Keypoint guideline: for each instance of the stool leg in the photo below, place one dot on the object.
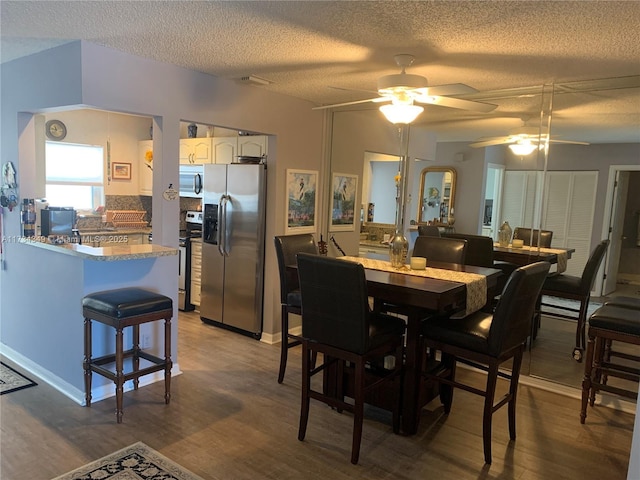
(87, 361)
(167, 360)
(136, 354)
(119, 375)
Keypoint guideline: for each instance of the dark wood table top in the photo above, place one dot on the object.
(525, 256)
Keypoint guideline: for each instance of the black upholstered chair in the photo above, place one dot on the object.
(337, 322)
(287, 247)
(486, 341)
(429, 231)
(440, 249)
(530, 236)
(479, 250)
(575, 288)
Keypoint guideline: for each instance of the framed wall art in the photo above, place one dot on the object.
(120, 171)
(302, 201)
(344, 188)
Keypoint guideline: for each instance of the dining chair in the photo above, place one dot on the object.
(337, 322)
(575, 288)
(530, 236)
(429, 230)
(287, 247)
(479, 249)
(486, 340)
(440, 249)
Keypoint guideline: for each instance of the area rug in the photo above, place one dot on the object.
(10, 380)
(135, 462)
(564, 302)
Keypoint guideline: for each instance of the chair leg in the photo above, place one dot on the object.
(487, 416)
(582, 322)
(119, 375)
(446, 391)
(87, 361)
(358, 412)
(513, 392)
(168, 364)
(306, 387)
(596, 366)
(397, 381)
(586, 381)
(284, 343)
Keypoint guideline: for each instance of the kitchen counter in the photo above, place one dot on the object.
(107, 254)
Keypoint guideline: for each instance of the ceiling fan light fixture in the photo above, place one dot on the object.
(523, 148)
(401, 112)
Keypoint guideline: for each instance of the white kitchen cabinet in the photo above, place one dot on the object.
(225, 149)
(145, 167)
(196, 271)
(196, 151)
(252, 145)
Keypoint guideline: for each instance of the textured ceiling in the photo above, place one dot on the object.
(331, 52)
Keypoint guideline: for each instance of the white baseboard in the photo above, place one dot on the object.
(273, 338)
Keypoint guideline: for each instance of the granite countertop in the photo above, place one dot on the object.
(116, 231)
(106, 254)
(374, 243)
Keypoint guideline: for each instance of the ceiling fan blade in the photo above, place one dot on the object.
(492, 141)
(448, 89)
(356, 102)
(568, 141)
(457, 103)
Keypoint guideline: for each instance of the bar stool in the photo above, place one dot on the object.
(607, 324)
(121, 308)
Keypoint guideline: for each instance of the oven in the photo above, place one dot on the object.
(193, 230)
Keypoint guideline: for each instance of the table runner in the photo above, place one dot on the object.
(561, 255)
(476, 284)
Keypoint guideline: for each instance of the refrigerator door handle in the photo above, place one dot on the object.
(221, 224)
(225, 225)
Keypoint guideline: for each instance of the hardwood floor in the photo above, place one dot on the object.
(230, 419)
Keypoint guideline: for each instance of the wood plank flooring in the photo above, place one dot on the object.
(230, 419)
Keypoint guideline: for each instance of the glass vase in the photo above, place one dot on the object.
(398, 249)
(504, 234)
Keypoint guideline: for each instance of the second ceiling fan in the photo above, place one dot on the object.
(404, 89)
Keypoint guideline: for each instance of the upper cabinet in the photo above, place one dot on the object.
(145, 167)
(196, 151)
(226, 149)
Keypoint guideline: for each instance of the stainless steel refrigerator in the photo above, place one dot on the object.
(233, 230)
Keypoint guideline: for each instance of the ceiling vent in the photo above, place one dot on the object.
(255, 80)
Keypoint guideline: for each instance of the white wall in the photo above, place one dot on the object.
(84, 74)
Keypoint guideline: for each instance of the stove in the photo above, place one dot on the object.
(193, 220)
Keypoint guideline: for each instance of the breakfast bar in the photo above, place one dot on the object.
(50, 288)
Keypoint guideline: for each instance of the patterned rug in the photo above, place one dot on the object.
(10, 380)
(135, 462)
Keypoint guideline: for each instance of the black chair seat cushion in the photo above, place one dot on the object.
(618, 319)
(126, 302)
(471, 332)
(624, 302)
(563, 283)
(294, 299)
(383, 328)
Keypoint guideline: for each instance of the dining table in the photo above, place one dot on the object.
(421, 294)
(527, 254)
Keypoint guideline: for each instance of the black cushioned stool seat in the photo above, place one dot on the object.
(607, 324)
(624, 302)
(121, 308)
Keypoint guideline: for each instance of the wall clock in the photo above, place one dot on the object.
(55, 130)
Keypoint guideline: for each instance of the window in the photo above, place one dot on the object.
(74, 175)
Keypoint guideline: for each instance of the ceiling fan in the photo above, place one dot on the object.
(523, 140)
(403, 89)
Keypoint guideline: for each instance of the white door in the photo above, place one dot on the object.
(615, 231)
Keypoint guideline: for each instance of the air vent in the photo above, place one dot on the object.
(254, 80)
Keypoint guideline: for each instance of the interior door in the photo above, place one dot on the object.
(619, 200)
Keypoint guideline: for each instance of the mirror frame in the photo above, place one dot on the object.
(452, 194)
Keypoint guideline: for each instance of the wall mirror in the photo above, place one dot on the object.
(437, 195)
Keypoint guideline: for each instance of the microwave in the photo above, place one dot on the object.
(191, 180)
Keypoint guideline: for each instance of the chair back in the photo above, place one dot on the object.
(429, 230)
(335, 308)
(441, 249)
(512, 317)
(287, 247)
(591, 268)
(479, 249)
(530, 237)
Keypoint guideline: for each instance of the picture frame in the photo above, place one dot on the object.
(344, 188)
(120, 171)
(302, 200)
